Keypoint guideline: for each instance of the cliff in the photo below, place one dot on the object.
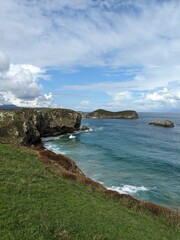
(101, 113)
(27, 126)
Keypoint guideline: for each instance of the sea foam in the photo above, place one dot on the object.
(128, 189)
(47, 139)
(53, 148)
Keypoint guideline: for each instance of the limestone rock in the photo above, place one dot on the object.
(27, 126)
(166, 123)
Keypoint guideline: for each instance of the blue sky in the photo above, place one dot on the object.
(90, 54)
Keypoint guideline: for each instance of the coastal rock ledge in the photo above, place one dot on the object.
(28, 126)
(166, 123)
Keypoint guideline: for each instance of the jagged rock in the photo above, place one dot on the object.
(101, 113)
(85, 128)
(27, 126)
(166, 123)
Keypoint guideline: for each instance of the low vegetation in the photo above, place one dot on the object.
(101, 113)
(36, 203)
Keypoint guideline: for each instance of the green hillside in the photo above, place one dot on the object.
(37, 204)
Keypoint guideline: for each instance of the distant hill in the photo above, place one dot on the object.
(101, 113)
(8, 107)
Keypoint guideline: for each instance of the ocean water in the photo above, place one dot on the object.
(129, 156)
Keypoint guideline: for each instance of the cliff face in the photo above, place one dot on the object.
(101, 113)
(27, 126)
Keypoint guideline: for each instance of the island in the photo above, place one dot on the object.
(101, 113)
(160, 123)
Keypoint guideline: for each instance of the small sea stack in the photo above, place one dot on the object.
(166, 123)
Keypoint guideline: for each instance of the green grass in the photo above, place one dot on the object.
(37, 204)
(105, 113)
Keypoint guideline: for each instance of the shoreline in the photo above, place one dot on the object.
(38, 203)
(68, 169)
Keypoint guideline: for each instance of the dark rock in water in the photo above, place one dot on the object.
(85, 128)
(165, 123)
(27, 126)
(101, 113)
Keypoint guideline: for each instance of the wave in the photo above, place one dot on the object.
(128, 189)
(72, 136)
(47, 139)
(53, 148)
(88, 130)
(100, 128)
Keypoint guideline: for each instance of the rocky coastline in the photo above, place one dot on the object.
(67, 168)
(25, 127)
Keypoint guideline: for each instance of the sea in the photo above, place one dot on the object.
(128, 156)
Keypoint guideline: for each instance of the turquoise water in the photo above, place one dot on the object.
(129, 156)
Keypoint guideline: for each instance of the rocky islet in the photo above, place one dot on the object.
(160, 123)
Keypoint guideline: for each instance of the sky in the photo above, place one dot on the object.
(91, 54)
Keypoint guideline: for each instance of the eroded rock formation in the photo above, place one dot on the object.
(85, 128)
(27, 126)
(165, 123)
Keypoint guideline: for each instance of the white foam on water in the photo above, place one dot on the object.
(47, 139)
(89, 130)
(102, 183)
(53, 148)
(128, 189)
(72, 136)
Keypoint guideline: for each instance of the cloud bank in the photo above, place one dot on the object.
(19, 84)
(109, 34)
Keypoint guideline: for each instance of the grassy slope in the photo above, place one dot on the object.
(37, 204)
(103, 112)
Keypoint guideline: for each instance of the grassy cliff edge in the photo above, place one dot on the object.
(47, 201)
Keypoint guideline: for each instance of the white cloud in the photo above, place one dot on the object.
(83, 105)
(90, 33)
(44, 100)
(4, 63)
(84, 102)
(119, 100)
(153, 89)
(165, 99)
(145, 80)
(19, 84)
(108, 33)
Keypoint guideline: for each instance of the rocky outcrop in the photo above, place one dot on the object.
(85, 128)
(27, 126)
(101, 113)
(165, 123)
